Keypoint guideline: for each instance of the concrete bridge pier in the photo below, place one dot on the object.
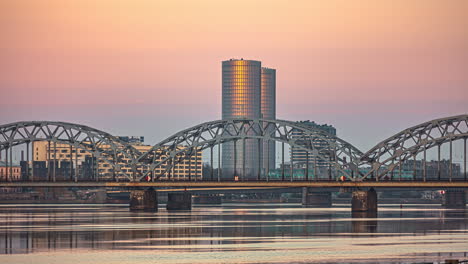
(143, 200)
(364, 201)
(315, 199)
(179, 201)
(455, 199)
(207, 199)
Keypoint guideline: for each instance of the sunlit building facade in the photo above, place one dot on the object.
(10, 172)
(45, 155)
(241, 94)
(248, 91)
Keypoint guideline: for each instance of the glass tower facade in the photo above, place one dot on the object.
(241, 97)
(249, 91)
(268, 111)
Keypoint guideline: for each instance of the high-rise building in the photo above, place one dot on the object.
(241, 99)
(268, 111)
(299, 157)
(248, 91)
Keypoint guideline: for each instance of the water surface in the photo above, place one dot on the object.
(233, 233)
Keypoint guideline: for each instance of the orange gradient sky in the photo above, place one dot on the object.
(148, 67)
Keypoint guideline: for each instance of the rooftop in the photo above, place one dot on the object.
(2, 164)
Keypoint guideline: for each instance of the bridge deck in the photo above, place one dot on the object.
(313, 184)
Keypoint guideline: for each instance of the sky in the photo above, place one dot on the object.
(151, 68)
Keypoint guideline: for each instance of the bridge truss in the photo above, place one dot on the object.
(342, 158)
(100, 144)
(339, 154)
(390, 154)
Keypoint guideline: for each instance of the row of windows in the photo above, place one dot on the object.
(238, 106)
(237, 111)
(245, 86)
(250, 101)
(268, 100)
(243, 75)
(66, 156)
(161, 171)
(241, 68)
(241, 82)
(245, 98)
(193, 160)
(194, 166)
(52, 150)
(242, 90)
(234, 74)
(13, 169)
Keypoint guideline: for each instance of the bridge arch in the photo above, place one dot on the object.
(393, 151)
(183, 144)
(100, 144)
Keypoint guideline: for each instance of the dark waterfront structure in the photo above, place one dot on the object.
(248, 91)
(430, 170)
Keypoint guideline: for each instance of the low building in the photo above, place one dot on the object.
(69, 161)
(9, 172)
(412, 169)
(299, 156)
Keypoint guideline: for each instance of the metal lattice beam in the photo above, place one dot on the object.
(390, 153)
(101, 144)
(178, 147)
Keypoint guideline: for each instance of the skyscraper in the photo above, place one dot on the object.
(248, 91)
(268, 111)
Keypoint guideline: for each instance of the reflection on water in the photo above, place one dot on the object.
(231, 234)
(364, 222)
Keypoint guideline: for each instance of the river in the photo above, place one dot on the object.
(231, 233)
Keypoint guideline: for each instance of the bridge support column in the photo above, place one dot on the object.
(454, 199)
(207, 199)
(364, 201)
(179, 201)
(143, 200)
(315, 199)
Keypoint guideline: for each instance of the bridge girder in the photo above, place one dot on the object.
(383, 158)
(185, 143)
(393, 151)
(100, 144)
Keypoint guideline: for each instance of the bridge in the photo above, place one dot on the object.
(397, 162)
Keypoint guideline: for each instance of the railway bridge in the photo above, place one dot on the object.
(430, 155)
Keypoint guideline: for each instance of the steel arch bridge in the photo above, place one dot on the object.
(100, 144)
(389, 154)
(341, 155)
